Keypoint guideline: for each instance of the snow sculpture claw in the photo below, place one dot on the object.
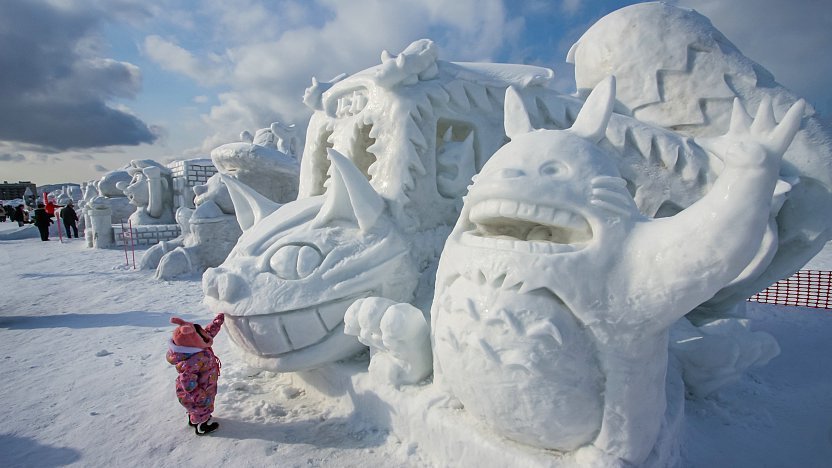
(397, 335)
(759, 138)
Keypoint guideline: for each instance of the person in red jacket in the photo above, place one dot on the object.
(50, 208)
(199, 369)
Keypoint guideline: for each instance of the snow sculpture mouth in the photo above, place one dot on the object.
(278, 333)
(526, 227)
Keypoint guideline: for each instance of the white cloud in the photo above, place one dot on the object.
(208, 70)
(329, 37)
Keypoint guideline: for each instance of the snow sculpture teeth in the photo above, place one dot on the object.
(498, 221)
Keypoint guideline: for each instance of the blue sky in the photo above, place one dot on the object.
(88, 85)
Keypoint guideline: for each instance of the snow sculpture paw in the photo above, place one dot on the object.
(397, 335)
(718, 352)
(761, 140)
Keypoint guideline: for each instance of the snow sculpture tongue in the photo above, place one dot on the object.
(287, 284)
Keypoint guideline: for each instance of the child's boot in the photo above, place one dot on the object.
(206, 427)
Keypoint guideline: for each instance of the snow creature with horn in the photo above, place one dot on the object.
(554, 295)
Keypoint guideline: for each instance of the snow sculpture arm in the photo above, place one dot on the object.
(156, 188)
(397, 335)
(695, 241)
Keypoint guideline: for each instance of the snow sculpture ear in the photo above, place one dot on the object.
(517, 120)
(592, 121)
(249, 206)
(350, 195)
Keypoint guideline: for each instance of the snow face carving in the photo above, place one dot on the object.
(297, 267)
(554, 295)
(150, 191)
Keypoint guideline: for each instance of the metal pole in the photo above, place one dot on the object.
(132, 244)
(124, 241)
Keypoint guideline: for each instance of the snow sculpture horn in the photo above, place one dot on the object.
(517, 120)
(249, 205)
(350, 195)
(592, 121)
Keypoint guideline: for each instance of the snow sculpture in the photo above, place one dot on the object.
(210, 231)
(98, 214)
(271, 283)
(675, 70)
(412, 132)
(260, 163)
(398, 337)
(555, 295)
(108, 200)
(150, 190)
(208, 234)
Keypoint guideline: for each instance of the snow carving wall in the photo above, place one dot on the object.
(603, 225)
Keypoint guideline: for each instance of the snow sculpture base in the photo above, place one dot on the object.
(146, 234)
(421, 418)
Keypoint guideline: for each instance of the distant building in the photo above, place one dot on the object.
(11, 191)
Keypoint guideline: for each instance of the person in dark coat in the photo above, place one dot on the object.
(19, 216)
(42, 221)
(69, 216)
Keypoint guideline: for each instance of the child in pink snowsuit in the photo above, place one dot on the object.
(190, 351)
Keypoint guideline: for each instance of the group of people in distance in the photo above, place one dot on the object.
(42, 217)
(45, 212)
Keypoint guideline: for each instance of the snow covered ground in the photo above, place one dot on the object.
(85, 382)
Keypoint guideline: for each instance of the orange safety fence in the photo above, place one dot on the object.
(806, 288)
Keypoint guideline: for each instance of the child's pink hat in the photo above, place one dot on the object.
(186, 334)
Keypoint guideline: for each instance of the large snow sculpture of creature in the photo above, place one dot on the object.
(151, 191)
(296, 268)
(554, 294)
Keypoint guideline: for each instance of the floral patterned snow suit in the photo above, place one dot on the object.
(199, 369)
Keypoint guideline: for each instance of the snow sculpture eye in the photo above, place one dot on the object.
(295, 261)
(554, 169)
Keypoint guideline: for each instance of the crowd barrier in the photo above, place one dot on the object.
(806, 288)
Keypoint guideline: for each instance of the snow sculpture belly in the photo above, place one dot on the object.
(522, 362)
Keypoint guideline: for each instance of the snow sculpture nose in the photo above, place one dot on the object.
(510, 173)
(224, 286)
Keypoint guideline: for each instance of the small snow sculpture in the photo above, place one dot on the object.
(718, 352)
(108, 199)
(209, 232)
(555, 295)
(98, 214)
(398, 337)
(150, 190)
(259, 162)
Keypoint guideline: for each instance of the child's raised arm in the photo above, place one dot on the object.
(216, 324)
